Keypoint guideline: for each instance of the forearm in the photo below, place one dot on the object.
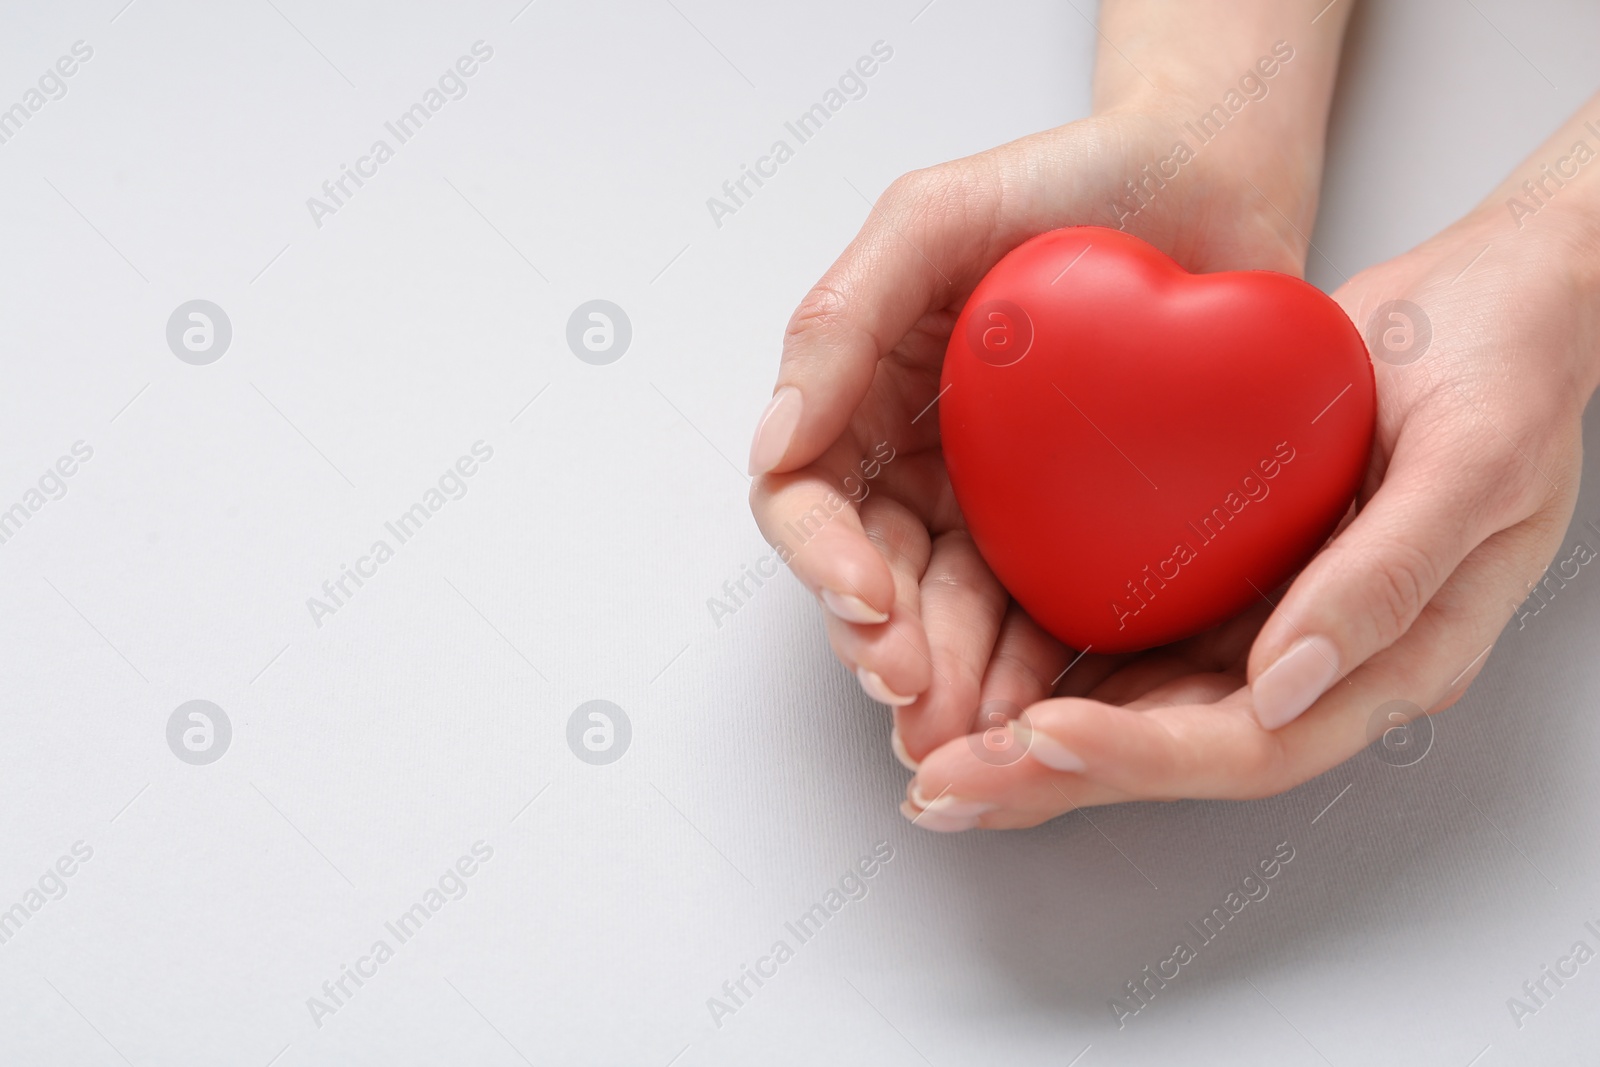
(1198, 49)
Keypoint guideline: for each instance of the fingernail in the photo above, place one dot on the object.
(946, 804)
(932, 821)
(944, 824)
(775, 430)
(900, 752)
(851, 608)
(877, 690)
(1295, 681)
(1047, 750)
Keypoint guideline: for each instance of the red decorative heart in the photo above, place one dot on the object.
(1141, 452)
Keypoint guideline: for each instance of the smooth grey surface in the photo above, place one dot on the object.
(430, 711)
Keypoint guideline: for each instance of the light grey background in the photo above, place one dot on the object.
(371, 752)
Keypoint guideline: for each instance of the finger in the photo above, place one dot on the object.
(813, 522)
(924, 234)
(1439, 499)
(1022, 666)
(962, 604)
(1204, 668)
(1025, 664)
(918, 477)
(957, 789)
(1152, 751)
(891, 659)
(1092, 753)
(1135, 682)
(1013, 776)
(1226, 646)
(1128, 676)
(1088, 671)
(1448, 644)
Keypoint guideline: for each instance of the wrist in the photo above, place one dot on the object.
(1241, 89)
(1556, 252)
(1217, 189)
(1546, 217)
(1572, 234)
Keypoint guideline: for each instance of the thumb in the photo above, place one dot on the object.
(1439, 500)
(924, 231)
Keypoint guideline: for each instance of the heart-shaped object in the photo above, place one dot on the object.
(1140, 452)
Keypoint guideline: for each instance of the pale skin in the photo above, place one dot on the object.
(1471, 486)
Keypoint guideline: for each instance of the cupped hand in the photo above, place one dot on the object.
(851, 485)
(1485, 351)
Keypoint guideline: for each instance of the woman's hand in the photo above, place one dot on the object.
(1472, 484)
(1206, 141)
(852, 486)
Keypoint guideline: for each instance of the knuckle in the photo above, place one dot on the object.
(1263, 769)
(1398, 590)
(907, 193)
(903, 189)
(922, 200)
(824, 309)
(1511, 484)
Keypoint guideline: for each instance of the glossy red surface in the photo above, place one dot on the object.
(1140, 452)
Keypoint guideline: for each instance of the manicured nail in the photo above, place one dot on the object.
(1295, 681)
(877, 690)
(852, 608)
(946, 804)
(929, 820)
(900, 752)
(1047, 750)
(938, 821)
(775, 430)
